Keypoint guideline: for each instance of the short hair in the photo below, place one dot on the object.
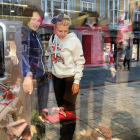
(28, 13)
(64, 21)
(90, 14)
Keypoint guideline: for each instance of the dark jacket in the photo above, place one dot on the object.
(30, 52)
(127, 56)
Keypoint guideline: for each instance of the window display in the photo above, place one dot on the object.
(70, 58)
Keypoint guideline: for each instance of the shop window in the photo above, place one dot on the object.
(6, 10)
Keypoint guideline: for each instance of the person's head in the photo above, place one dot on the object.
(33, 17)
(126, 47)
(92, 18)
(61, 25)
(120, 44)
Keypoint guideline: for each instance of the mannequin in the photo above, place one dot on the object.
(93, 36)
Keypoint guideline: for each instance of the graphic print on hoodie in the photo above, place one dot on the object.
(58, 57)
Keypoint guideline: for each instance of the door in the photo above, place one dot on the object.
(86, 42)
(135, 50)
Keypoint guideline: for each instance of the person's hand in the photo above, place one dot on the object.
(50, 75)
(28, 85)
(75, 88)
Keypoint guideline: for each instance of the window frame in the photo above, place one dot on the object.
(125, 7)
(52, 6)
(93, 5)
(102, 8)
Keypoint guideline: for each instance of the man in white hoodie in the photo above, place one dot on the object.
(66, 62)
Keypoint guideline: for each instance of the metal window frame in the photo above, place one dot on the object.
(52, 5)
(118, 10)
(102, 8)
(93, 4)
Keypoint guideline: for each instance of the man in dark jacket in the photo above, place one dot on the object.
(31, 55)
(127, 58)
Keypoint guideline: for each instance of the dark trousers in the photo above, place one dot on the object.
(128, 63)
(63, 94)
(42, 94)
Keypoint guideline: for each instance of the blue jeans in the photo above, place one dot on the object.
(42, 93)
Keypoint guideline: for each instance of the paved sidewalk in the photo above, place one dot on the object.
(111, 103)
(98, 76)
(114, 106)
(90, 67)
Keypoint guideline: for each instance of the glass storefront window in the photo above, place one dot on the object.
(90, 67)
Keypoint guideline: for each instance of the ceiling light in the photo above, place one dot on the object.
(12, 11)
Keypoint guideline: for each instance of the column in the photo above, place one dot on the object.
(19, 1)
(128, 9)
(62, 5)
(109, 11)
(46, 8)
(68, 7)
(2, 6)
(41, 4)
(113, 13)
(74, 7)
(52, 7)
(10, 7)
(124, 6)
(81, 5)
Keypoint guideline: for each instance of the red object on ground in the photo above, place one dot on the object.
(59, 117)
(61, 114)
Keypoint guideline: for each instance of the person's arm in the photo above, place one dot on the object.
(22, 55)
(79, 61)
(50, 60)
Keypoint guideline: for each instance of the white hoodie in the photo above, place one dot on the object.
(66, 58)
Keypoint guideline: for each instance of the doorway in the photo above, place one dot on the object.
(135, 50)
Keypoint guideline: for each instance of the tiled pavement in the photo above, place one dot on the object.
(114, 106)
(111, 103)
